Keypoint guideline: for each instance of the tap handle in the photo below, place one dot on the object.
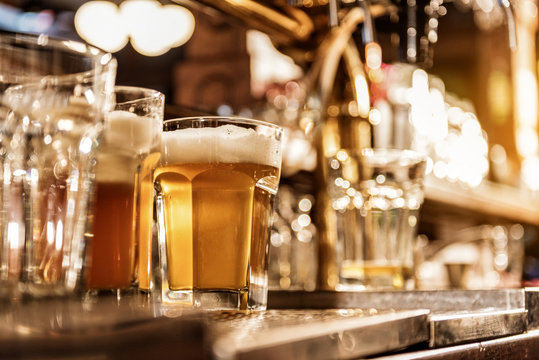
(369, 32)
(511, 27)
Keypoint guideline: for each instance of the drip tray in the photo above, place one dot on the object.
(314, 334)
(455, 317)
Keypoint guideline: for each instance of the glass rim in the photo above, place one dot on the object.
(369, 151)
(232, 119)
(148, 93)
(100, 59)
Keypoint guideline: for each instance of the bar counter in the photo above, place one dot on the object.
(489, 324)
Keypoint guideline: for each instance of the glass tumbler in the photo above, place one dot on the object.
(53, 96)
(122, 216)
(376, 195)
(216, 182)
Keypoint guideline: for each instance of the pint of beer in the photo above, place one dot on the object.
(215, 187)
(122, 213)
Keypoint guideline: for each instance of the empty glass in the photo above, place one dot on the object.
(376, 195)
(53, 96)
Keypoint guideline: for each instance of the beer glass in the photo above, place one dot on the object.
(53, 96)
(376, 195)
(215, 185)
(119, 243)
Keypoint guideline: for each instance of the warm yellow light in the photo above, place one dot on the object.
(428, 114)
(530, 172)
(363, 95)
(268, 65)
(180, 24)
(101, 24)
(153, 28)
(526, 92)
(527, 142)
(373, 55)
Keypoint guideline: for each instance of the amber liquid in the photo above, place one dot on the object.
(112, 244)
(375, 275)
(208, 221)
(144, 219)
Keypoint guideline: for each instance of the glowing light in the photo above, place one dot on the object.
(13, 236)
(109, 33)
(50, 233)
(268, 65)
(304, 220)
(363, 95)
(65, 125)
(530, 172)
(59, 235)
(153, 28)
(19, 173)
(498, 154)
(516, 231)
(373, 53)
(527, 142)
(85, 145)
(375, 116)
(352, 108)
(452, 138)
(526, 88)
(440, 169)
(428, 108)
(305, 205)
(485, 5)
(342, 155)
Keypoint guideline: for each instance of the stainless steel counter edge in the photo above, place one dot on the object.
(343, 339)
(435, 300)
(457, 328)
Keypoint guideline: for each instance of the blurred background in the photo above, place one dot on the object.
(478, 225)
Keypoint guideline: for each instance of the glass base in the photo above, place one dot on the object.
(369, 276)
(178, 297)
(258, 295)
(220, 299)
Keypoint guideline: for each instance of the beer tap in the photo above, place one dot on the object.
(333, 13)
(341, 131)
(511, 27)
(368, 33)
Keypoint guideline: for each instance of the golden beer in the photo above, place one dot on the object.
(214, 201)
(144, 219)
(209, 211)
(120, 240)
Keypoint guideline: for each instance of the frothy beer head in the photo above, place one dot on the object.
(126, 138)
(129, 131)
(226, 143)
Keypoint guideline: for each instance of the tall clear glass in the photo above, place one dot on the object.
(122, 216)
(376, 195)
(215, 185)
(53, 97)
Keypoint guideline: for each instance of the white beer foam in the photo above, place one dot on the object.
(226, 143)
(129, 131)
(126, 136)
